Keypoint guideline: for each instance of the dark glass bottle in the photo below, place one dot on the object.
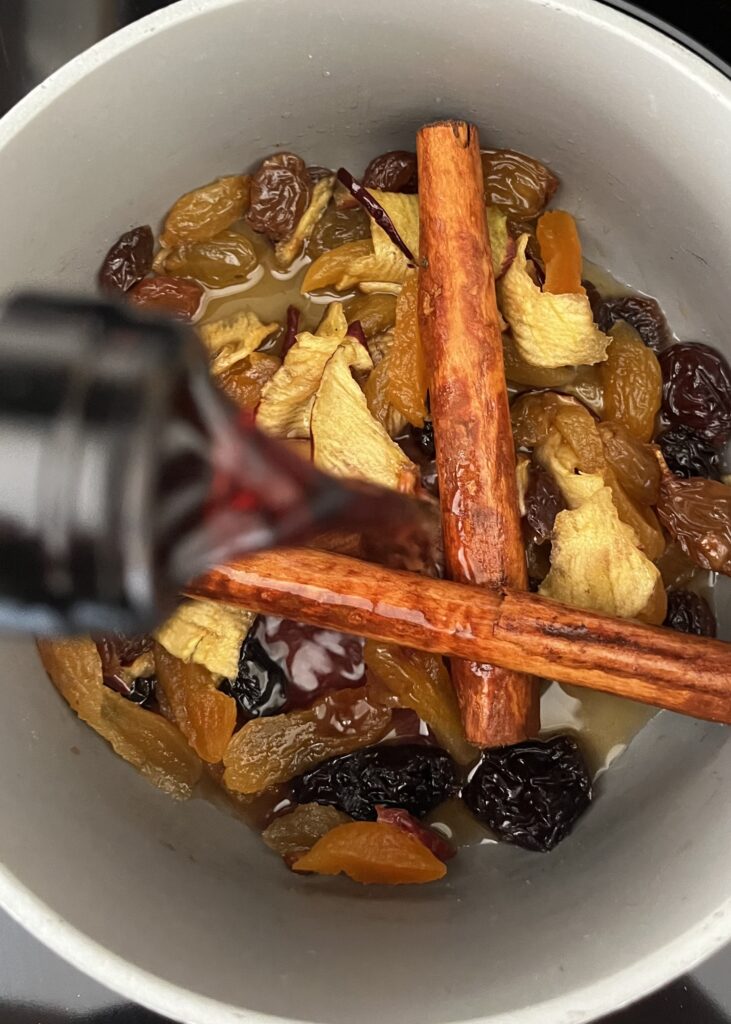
(125, 472)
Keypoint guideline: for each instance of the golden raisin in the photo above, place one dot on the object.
(204, 212)
(332, 265)
(376, 312)
(225, 260)
(407, 377)
(632, 382)
(244, 381)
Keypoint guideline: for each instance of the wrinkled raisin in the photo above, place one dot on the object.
(634, 463)
(516, 183)
(640, 312)
(424, 439)
(595, 299)
(393, 172)
(128, 260)
(531, 794)
(281, 191)
(117, 653)
(690, 613)
(543, 502)
(632, 382)
(688, 454)
(697, 514)
(175, 296)
(316, 173)
(337, 227)
(260, 687)
(412, 776)
(697, 390)
(225, 260)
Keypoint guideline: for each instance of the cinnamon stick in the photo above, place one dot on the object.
(514, 630)
(460, 328)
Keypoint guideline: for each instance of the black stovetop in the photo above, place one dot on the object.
(36, 987)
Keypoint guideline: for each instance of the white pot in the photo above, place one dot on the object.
(179, 906)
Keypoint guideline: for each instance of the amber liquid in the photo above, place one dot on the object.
(605, 725)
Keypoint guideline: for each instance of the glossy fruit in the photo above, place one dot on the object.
(561, 251)
(543, 502)
(534, 415)
(420, 681)
(336, 227)
(517, 184)
(205, 212)
(690, 613)
(281, 190)
(433, 840)
(174, 296)
(327, 269)
(413, 776)
(517, 371)
(393, 172)
(147, 740)
(225, 260)
(697, 514)
(244, 381)
(633, 463)
(376, 313)
(632, 383)
(205, 717)
(260, 687)
(372, 853)
(268, 751)
(293, 834)
(128, 260)
(407, 380)
(640, 312)
(697, 390)
(689, 454)
(531, 794)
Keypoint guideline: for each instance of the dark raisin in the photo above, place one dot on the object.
(430, 478)
(690, 613)
(393, 172)
(115, 649)
(531, 794)
(260, 687)
(688, 454)
(140, 691)
(642, 313)
(697, 390)
(175, 296)
(128, 261)
(517, 184)
(280, 193)
(543, 502)
(424, 438)
(338, 227)
(412, 776)
(313, 660)
(595, 299)
(316, 173)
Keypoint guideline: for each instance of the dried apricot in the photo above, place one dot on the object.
(561, 252)
(205, 717)
(373, 853)
(632, 382)
(206, 211)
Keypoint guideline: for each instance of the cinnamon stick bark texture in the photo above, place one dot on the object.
(460, 329)
(513, 630)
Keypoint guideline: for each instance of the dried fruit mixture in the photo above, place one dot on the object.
(302, 285)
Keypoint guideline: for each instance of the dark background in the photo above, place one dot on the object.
(36, 987)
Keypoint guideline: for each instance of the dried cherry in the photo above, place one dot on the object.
(697, 390)
(532, 793)
(336, 227)
(543, 502)
(281, 190)
(128, 260)
(175, 296)
(640, 312)
(688, 453)
(414, 777)
(690, 613)
(393, 172)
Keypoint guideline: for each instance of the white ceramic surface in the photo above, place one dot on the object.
(179, 907)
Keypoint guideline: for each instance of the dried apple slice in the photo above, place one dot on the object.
(596, 564)
(207, 633)
(347, 440)
(548, 330)
(232, 339)
(145, 739)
